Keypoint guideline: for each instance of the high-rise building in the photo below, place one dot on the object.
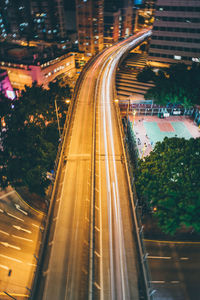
(111, 27)
(126, 15)
(112, 24)
(176, 32)
(89, 17)
(32, 19)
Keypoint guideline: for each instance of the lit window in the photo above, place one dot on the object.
(177, 57)
(196, 59)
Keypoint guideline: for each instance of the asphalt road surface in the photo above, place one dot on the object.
(91, 250)
(19, 242)
(175, 270)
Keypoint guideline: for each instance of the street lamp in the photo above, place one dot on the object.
(67, 101)
(56, 107)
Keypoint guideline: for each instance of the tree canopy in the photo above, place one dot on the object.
(30, 137)
(176, 84)
(168, 182)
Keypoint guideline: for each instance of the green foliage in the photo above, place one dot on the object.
(147, 74)
(169, 179)
(29, 143)
(131, 143)
(177, 84)
(5, 105)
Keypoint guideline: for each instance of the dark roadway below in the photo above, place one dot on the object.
(175, 270)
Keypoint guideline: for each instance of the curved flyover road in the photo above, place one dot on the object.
(91, 250)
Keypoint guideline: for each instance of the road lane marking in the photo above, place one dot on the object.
(22, 229)
(159, 257)
(11, 258)
(171, 242)
(4, 267)
(158, 281)
(37, 211)
(37, 226)
(30, 264)
(1, 210)
(97, 254)
(175, 281)
(13, 216)
(21, 210)
(14, 295)
(21, 238)
(97, 228)
(7, 194)
(98, 286)
(1, 231)
(9, 245)
(184, 258)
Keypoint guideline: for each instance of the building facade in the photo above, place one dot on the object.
(21, 74)
(5, 85)
(127, 20)
(111, 27)
(176, 32)
(32, 19)
(89, 17)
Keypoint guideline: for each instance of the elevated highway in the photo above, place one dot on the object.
(91, 248)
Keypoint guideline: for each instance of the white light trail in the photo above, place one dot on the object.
(108, 135)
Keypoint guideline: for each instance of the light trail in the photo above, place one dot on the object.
(108, 129)
(108, 133)
(109, 274)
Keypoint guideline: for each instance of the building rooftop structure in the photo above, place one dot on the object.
(26, 65)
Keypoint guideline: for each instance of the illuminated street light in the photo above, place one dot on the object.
(67, 101)
(154, 209)
(3, 123)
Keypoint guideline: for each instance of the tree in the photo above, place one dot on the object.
(168, 182)
(30, 139)
(146, 75)
(177, 84)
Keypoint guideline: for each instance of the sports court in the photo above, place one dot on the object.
(150, 129)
